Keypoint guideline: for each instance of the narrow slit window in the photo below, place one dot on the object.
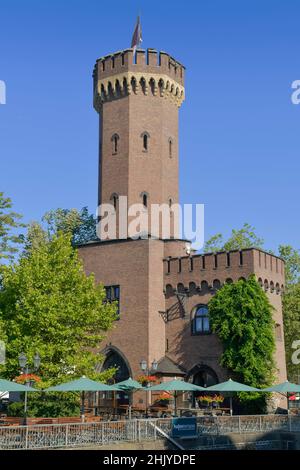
(216, 260)
(145, 142)
(170, 148)
(115, 144)
(168, 266)
(114, 199)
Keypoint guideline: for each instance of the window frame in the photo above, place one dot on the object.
(170, 147)
(194, 330)
(111, 296)
(146, 135)
(115, 143)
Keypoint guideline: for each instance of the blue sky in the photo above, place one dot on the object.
(239, 131)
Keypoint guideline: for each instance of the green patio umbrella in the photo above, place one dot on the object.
(176, 386)
(82, 385)
(130, 386)
(284, 388)
(8, 386)
(231, 386)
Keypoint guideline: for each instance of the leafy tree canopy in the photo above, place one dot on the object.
(241, 316)
(291, 316)
(244, 237)
(291, 257)
(9, 221)
(81, 224)
(48, 304)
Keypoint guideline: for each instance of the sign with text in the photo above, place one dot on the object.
(184, 427)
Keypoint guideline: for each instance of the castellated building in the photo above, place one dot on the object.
(163, 287)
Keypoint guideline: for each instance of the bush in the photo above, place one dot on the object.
(48, 405)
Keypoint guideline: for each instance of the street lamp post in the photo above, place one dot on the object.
(146, 369)
(25, 370)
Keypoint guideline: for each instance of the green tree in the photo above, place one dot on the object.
(9, 221)
(291, 316)
(244, 237)
(291, 306)
(81, 224)
(291, 256)
(48, 304)
(241, 316)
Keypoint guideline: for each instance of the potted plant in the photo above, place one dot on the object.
(217, 400)
(205, 400)
(29, 379)
(164, 399)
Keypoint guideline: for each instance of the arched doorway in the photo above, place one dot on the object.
(203, 376)
(115, 359)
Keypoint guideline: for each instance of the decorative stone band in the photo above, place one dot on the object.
(127, 83)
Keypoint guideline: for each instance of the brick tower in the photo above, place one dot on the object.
(163, 288)
(137, 101)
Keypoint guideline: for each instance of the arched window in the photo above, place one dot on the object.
(118, 88)
(145, 137)
(153, 87)
(133, 84)
(216, 284)
(200, 320)
(192, 287)
(180, 288)
(169, 290)
(204, 286)
(143, 85)
(115, 144)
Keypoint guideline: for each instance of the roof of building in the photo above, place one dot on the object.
(167, 366)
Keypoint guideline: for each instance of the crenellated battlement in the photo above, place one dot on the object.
(210, 271)
(149, 72)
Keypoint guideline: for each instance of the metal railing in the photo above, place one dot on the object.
(102, 433)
